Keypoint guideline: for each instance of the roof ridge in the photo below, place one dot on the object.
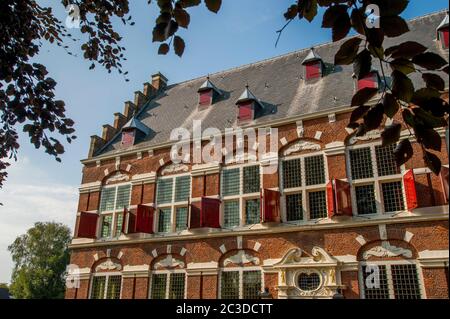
(284, 55)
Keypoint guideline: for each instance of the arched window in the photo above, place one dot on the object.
(106, 281)
(168, 278)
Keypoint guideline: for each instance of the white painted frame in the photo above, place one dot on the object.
(241, 271)
(106, 275)
(388, 264)
(376, 180)
(304, 190)
(172, 205)
(241, 197)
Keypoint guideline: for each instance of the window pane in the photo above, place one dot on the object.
(251, 179)
(229, 285)
(314, 170)
(252, 214)
(405, 281)
(393, 197)
(159, 282)
(164, 194)
(181, 218)
(106, 226)
(231, 182)
(114, 285)
(107, 199)
(361, 163)
(375, 287)
(292, 176)
(176, 290)
(164, 220)
(123, 197)
(182, 188)
(98, 288)
(365, 199)
(251, 284)
(231, 213)
(317, 205)
(294, 208)
(119, 224)
(386, 160)
(308, 282)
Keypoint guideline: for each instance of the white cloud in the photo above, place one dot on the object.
(29, 197)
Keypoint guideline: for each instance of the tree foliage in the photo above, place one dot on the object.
(27, 98)
(40, 258)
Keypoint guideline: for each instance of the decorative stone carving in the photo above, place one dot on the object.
(108, 265)
(293, 256)
(175, 168)
(387, 250)
(169, 262)
(302, 146)
(118, 177)
(371, 135)
(241, 258)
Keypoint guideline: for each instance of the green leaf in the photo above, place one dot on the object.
(434, 81)
(358, 113)
(429, 61)
(402, 86)
(393, 26)
(374, 117)
(391, 134)
(436, 106)
(362, 64)
(405, 50)
(429, 138)
(363, 96)
(179, 46)
(427, 119)
(433, 162)
(391, 105)
(213, 5)
(403, 65)
(403, 152)
(347, 52)
(422, 96)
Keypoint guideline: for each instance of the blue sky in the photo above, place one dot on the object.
(40, 189)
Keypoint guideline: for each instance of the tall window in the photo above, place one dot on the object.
(172, 199)
(240, 284)
(241, 195)
(304, 185)
(395, 281)
(114, 200)
(106, 287)
(168, 285)
(377, 181)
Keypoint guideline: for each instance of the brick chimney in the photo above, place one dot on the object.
(159, 82)
(108, 132)
(96, 143)
(119, 120)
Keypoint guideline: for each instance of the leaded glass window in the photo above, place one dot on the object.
(317, 205)
(231, 213)
(294, 207)
(182, 188)
(314, 170)
(106, 287)
(229, 285)
(393, 196)
(164, 193)
(106, 226)
(231, 182)
(292, 174)
(386, 160)
(251, 284)
(361, 163)
(252, 211)
(251, 179)
(176, 288)
(159, 282)
(365, 199)
(164, 220)
(181, 218)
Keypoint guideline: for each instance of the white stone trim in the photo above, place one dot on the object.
(283, 141)
(332, 117)
(154, 253)
(205, 169)
(383, 232)
(335, 148)
(223, 249)
(90, 187)
(318, 135)
(147, 178)
(361, 240)
(161, 162)
(183, 251)
(408, 236)
(106, 172)
(239, 242)
(257, 246)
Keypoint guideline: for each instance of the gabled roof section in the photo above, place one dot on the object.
(276, 81)
(444, 22)
(134, 123)
(208, 85)
(311, 57)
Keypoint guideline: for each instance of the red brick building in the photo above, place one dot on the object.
(336, 207)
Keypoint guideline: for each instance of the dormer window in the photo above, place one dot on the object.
(313, 64)
(248, 106)
(442, 32)
(371, 80)
(133, 131)
(208, 94)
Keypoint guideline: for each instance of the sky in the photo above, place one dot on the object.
(40, 189)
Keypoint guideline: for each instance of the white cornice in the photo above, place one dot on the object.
(148, 178)
(205, 169)
(90, 187)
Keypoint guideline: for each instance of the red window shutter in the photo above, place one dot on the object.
(205, 98)
(87, 225)
(343, 198)
(331, 199)
(195, 220)
(410, 190)
(144, 219)
(444, 180)
(124, 221)
(246, 111)
(270, 210)
(131, 222)
(313, 70)
(370, 81)
(443, 34)
(128, 138)
(210, 213)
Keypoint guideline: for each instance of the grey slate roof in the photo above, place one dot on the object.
(278, 83)
(135, 123)
(312, 56)
(207, 85)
